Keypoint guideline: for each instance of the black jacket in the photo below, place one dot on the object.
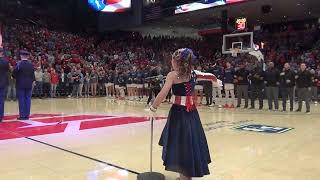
(242, 73)
(257, 77)
(304, 79)
(288, 78)
(4, 69)
(272, 77)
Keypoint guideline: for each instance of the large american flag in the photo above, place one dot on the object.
(116, 5)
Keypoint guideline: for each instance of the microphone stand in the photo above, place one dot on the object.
(151, 175)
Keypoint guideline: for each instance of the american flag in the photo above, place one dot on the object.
(116, 5)
(152, 13)
(110, 5)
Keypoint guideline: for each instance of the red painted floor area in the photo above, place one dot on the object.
(42, 124)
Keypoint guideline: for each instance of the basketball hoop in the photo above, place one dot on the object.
(235, 52)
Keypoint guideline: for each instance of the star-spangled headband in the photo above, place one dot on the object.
(184, 53)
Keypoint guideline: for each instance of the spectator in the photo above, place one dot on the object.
(93, 82)
(241, 77)
(304, 80)
(54, 83)
(62, 86)
(81, 83)
(229, 85)
(38, 89)
(11, 94)
(86, 84)
(272, 78)
(46, 83)
(257, 86)
(314, 88)
(288, 81)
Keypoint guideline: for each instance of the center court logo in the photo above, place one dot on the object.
(43, 124)
(263, 128)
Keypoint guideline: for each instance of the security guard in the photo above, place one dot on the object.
(304, 80)
(257, 86)
(24, 75)
(287, 77)
(4, 68)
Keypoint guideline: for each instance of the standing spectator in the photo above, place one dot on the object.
(93, 82)
(101, 82)
(304, 80)
(241, 77)
(62, 86)
(76, 83)
(257, 86)
(54, 83)
(86, 84)
(272, 78)
(207, 89)
(314, 88)
(81, 83)
(288, 81)
(4, 68)
(154, 84)
(122, 85)
(70, 82)
(38, 89)
(11, 93)
(46, 83)
(228, 85)
(218, 72)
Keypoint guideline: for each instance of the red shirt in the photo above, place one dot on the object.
(54, 78)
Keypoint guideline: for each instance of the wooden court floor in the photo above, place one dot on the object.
(101, 139)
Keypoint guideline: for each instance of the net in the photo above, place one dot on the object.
(235, 52)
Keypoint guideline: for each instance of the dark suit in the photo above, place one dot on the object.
(4, 68)
(24, 75)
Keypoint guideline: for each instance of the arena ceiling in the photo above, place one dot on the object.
(282, 11)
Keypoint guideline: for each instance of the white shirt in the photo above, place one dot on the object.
(62, 77)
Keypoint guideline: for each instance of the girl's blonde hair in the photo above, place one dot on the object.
(184, 58)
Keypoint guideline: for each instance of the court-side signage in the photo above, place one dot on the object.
(263, 128)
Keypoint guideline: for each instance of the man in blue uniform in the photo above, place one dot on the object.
(4, 68)
(24, 75)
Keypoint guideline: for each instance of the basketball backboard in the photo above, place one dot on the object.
(242, 41)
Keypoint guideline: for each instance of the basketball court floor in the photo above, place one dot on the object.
(99, 139)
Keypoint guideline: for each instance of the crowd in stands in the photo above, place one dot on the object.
(71, 65)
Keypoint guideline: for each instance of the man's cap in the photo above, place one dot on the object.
(24, 53)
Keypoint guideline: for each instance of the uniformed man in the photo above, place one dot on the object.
(287, 77)
(272, 78)
(24, 75)
(304, 80)
(4, 68)
(257, 86)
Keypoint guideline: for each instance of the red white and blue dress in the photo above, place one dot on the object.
(185, 148)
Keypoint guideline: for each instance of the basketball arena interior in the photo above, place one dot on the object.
(159, 89)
